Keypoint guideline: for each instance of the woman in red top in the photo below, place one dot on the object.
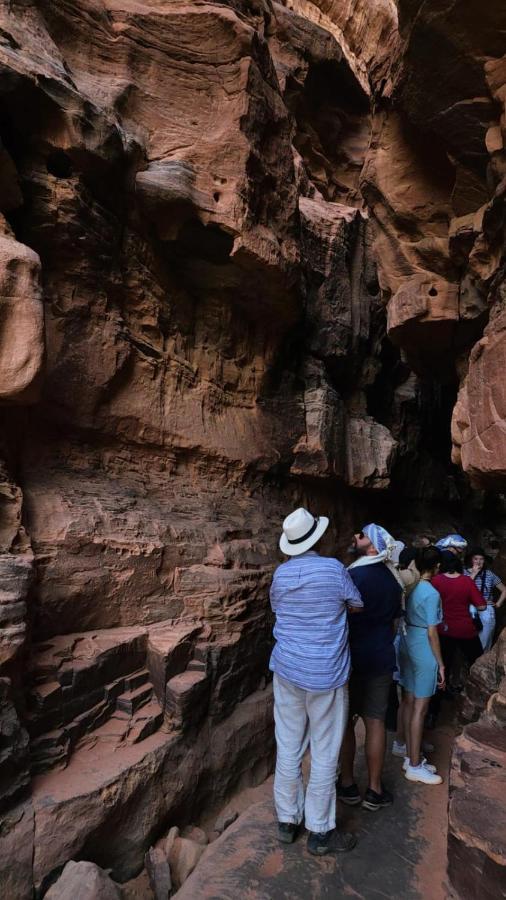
(457, 629)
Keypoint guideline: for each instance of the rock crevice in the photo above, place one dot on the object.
(249, 253)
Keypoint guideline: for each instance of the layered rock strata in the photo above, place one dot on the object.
(210, 217)
(434, 183)
(476, 845)
(191, 324)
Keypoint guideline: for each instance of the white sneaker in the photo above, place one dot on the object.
(398, 749)
(421, 773)
(423, 762)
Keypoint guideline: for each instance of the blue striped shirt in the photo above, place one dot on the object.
(309, 594)
(485, 581)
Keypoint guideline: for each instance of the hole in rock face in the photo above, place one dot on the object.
(59, 164)
(432, 292)
(216, 196)
(332, 127)
(207, 242)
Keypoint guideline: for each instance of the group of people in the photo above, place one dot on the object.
(340, 635)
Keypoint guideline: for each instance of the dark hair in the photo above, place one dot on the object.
(475, 551)
(427, 559)
(478, 551)
(451, 563)
(406, 556)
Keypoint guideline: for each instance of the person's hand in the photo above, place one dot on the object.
(475, 570)
(441, 680)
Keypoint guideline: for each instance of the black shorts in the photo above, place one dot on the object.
(369, 696)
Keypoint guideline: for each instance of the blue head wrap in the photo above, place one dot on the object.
(379, 538)
(452, 540)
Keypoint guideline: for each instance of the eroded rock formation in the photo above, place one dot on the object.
(477, 853)
(211, 216)
(434, 182)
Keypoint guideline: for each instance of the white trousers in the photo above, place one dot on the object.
(305, 718)
(486, 635)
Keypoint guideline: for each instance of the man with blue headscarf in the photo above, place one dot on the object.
(372, 661)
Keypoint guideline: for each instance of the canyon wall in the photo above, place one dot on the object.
(435, 181)
(212, 216)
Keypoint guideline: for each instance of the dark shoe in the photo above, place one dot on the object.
(343, 841)
(349, 795)
(319, 844)
(287, 832)
(374, 801)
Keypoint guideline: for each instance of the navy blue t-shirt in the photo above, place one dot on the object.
(371, 631)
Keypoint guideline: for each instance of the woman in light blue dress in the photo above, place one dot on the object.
(421, 663)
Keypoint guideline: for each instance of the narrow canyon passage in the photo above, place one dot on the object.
(401, 851)
(252, 258)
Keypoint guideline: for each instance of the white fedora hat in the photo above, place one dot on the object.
(300, 531)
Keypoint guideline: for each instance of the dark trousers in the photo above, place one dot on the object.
(392, 709)
(470, 648)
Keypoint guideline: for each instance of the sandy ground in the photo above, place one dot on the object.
(400, 854)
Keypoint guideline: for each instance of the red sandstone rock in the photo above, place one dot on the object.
(16, 851)
(157, 866)
(110, 804)
(195, 834)
(184, 181)
(435, 172)
(14, 752)
(478, 418)
(22, 319)
(168, 843)
(368, 41)
(476, 844)
(16, 577)
(83, 881)
(184, 856)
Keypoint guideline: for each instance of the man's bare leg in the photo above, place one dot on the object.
(347, 757)
(375, 742)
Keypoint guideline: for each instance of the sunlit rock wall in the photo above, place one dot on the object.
(210, 217)
(191, 322)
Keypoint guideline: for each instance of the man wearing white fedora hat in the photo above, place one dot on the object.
(310, 596)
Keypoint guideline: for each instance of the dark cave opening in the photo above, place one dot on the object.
(59, 164)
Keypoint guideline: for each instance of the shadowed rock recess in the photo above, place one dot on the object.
(251, 257)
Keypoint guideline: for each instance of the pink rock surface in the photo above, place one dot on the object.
(21, 311)
(220, 209)
(83, 881)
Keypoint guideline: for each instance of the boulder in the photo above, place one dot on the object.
(168, 843)
(14, 755)
(16, 852)
(195, 834)
(225, 820)
(158, 869)
(183, 857)
(21, 310)
(477, 818)
(83, 881)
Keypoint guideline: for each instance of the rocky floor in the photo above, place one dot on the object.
(401, 852)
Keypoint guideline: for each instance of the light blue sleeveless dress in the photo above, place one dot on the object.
(418, 665)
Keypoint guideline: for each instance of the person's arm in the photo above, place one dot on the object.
(476, 598)
(502, 594)
(499, 586)
(351, 594)
(409, 577)
(473, 572)
(273, 594)
(436, 649)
